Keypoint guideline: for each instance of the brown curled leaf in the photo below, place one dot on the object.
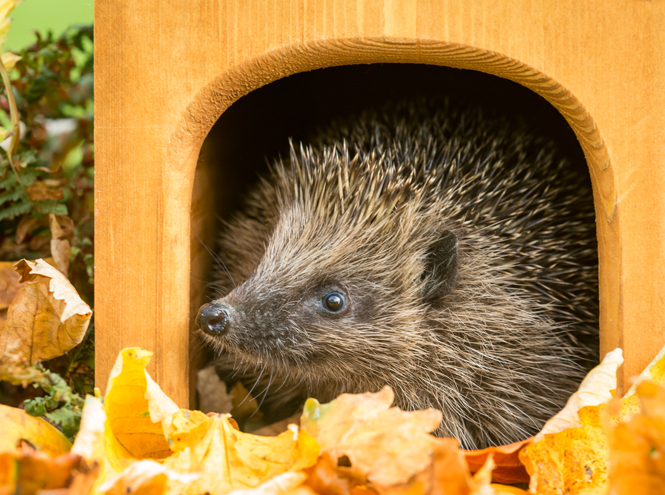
(61, 227)
(48, 318)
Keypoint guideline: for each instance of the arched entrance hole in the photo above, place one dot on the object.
(256, 129)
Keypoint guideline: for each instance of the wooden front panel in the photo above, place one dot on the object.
(164, 73)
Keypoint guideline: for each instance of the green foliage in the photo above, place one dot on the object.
(61, 406)
(53, 88)
(59, 400)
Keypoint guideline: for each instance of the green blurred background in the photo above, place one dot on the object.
(44, 16)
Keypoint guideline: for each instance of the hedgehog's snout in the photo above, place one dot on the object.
(214, 319)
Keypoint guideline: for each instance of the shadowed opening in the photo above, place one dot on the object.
(256, 129)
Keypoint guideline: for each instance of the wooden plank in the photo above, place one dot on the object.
(165, 73)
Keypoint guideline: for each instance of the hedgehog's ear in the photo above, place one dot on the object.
(442, 266)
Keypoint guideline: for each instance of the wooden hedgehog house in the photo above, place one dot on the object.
(165, 73)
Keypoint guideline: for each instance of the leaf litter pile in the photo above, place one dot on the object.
(137, 440)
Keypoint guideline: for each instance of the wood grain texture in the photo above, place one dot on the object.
(166, 71)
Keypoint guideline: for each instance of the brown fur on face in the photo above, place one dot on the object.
(362, 212)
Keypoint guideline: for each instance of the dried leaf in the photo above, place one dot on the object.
(508, 467)
(328, 477)
(480, 485)
(17, 425)
(15, 369)
(282, 484)
(48, 318)
(26, 226)
(228, 459)
(571, 451)
(596, 389)
(507, 490)
(147, 477)
(38, 191)
(60, 247)
(90, 439)
(34, 472)
(637, 446)
(9, 289)
(143, 423)
(136, 428)
(655, 371)
(34, 456)
(385, 445)
(449, 471)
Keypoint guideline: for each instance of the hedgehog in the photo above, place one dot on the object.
(441, 250)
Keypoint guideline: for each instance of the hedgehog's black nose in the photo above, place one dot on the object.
(213, 319)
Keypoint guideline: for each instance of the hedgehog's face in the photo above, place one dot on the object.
(325, 309)
(287, 326)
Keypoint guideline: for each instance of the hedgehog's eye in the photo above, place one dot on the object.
(334, 302)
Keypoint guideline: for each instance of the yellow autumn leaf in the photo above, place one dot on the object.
(16, 425)
(383, 444)
(90, 443)
(575, 459)
(637, 445)
(143, 423)
(48, 318)
(507, 490)
(147, 477)
(282, 484)
(134, 431)
(597, 388)
(655, 371)
(570, 453)
(228, 459)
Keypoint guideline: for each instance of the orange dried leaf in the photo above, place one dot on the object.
(448, 474)
(508, 467)
(654, 372)
(283, 484)
(507, 490)
(570, 453)
(147, 477)
(637, 446)
(326, 476)
(31, 472)
(383, 444)
(48, 318)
